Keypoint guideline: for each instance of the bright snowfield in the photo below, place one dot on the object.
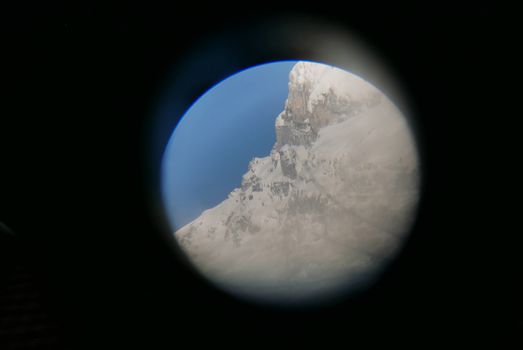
(327, 209)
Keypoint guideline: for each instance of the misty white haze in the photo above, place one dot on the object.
(327, 209)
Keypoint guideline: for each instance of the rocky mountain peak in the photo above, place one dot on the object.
(329, 204)
(319, 95)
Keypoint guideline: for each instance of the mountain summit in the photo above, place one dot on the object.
(329, 206)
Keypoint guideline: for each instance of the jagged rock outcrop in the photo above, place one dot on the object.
(327, 208)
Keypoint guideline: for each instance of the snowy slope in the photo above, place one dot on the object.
(327, 208)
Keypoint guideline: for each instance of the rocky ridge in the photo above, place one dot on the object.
(329, 205)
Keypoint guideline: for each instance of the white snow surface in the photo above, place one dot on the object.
(327, 209)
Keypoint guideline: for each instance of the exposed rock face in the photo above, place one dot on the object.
(327, 208)
(318, 97)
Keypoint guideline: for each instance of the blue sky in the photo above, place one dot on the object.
(222, 131)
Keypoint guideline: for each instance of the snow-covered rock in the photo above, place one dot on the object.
(327, 208)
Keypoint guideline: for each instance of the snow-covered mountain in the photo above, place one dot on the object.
(327, 208)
